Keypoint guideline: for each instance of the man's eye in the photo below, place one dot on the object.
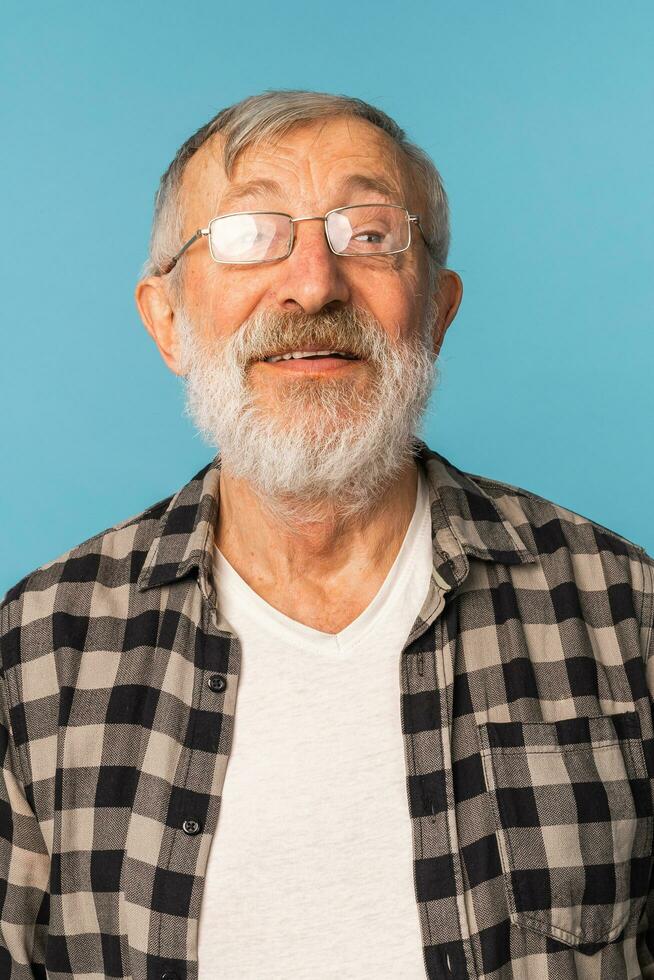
(374, 237)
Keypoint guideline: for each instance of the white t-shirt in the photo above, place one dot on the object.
(310, 872)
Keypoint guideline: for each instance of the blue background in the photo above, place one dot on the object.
(539, 116)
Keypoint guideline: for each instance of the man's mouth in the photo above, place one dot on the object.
(310, 355)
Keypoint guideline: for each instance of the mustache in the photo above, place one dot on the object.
(270, 332)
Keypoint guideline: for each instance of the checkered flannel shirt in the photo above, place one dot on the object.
(525, 696)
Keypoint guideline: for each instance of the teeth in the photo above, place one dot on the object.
(295, 355)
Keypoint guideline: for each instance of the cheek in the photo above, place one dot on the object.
(219, 305)
(396, 304)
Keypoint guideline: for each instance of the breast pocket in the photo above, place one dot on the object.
(573, 813)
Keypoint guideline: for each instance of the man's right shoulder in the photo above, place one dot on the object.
(98, 596)
(121, 550)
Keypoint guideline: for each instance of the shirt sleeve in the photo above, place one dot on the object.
(645, 598)
(24, 866)
(647, 619)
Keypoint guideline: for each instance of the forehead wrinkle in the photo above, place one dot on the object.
(251, 188)
(365, 140)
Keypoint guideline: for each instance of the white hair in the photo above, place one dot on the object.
(264, 117)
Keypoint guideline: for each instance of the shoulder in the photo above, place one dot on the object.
(63, 586)
(544, 525)
(611, 571)
(551, 525)
(582, 564)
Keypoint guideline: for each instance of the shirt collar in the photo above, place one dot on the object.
(466, 521)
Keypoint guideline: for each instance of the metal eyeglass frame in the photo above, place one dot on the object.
(205, 232)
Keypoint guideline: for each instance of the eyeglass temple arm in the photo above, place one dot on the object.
(415, 218)
(175, 259)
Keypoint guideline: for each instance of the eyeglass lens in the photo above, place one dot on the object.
(356, 230)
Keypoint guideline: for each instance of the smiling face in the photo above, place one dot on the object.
(307, 426)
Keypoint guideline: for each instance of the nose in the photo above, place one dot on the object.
(312, 277)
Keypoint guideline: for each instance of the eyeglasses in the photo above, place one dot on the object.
(246, 237)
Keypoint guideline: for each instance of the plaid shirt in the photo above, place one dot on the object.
(526, 714)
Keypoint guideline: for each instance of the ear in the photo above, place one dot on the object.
(154, 304)
(448, 292)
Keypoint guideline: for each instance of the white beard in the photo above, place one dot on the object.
(328, 443)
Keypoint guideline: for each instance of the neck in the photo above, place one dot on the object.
(317, 550)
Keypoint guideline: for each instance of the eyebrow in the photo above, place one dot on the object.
(270, 188)
(252, 188)
(378, 185)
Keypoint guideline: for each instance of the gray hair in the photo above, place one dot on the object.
(268, 115)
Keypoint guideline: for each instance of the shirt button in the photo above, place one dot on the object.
(191, 827)
(170, 975)
(217, 682)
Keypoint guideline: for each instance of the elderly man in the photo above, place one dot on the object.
(336, 708)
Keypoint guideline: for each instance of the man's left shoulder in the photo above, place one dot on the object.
(550, 525)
